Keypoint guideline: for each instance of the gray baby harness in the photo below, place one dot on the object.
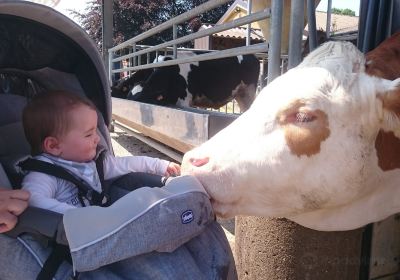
(86, 193)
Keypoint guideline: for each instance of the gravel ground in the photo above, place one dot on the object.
(125, 145)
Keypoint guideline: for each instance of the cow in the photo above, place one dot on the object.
(312, 147)
(204, 84)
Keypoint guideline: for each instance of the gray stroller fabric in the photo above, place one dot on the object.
(145, 220)
(153, 237)
(206, 256)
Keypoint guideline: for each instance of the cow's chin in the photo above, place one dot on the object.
(219, 187)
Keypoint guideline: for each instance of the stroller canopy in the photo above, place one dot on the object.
(42, 49)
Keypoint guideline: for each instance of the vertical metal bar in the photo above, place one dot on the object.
(274, 49)
(371, 12)
(175, 36)
(107, 35)
(296, 32)
(248, 33)
(312, 25)
(110, 66)
(148, 58)
(135, 57)
(390, 20)
(328, 19)
(362, 19)
(381, 22)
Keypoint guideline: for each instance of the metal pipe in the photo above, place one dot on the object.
(174, 37)
(368, 26)
(134, 50)
(248, 33)
(202, 33)
(110, 67)
(312, 25)
(274, 49)
(296, 32)
(176, 20)
(362, 23)
(390, 20)
(328, 19)
(107, 31)
(207, 56)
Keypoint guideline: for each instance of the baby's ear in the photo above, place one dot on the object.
(51, 146)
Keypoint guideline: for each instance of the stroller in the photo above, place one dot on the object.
(166, 232)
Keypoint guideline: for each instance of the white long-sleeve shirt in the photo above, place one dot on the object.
(59, 195)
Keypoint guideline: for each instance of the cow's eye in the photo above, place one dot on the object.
(303, 117)
(300, 117)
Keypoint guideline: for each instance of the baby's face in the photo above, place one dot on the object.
(80, 142)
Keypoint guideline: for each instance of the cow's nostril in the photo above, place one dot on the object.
(199, 161)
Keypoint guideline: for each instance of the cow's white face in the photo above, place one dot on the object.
(311, 148)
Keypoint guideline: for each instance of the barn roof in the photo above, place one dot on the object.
(339, 23)
(238, 33)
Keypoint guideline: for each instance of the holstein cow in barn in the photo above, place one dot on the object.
(204, 84)
(310, 148)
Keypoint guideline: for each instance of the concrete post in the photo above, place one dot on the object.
(280, 249)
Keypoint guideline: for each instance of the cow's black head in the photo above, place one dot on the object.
(164, 87)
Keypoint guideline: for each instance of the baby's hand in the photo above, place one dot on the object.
(173, 169)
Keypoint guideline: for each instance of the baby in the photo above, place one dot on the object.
(61, 129)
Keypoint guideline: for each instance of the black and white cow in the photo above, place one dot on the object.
(204, 84)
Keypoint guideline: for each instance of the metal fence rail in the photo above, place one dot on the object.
(116, 54)
(208, 56)
(199, 34)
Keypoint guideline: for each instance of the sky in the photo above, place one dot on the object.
(340, 4)
(65, 5)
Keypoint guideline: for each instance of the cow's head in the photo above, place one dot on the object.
(313, 147)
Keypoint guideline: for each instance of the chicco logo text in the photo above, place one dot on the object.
(187, 217)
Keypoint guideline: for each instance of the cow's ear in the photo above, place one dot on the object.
(390, 98)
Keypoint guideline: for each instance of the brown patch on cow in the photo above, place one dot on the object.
(204, 102)
(387, 147)
(304, 138)
(391, 101)
(383, 60)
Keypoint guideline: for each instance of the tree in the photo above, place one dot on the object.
(345, 12)
(133, 17)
